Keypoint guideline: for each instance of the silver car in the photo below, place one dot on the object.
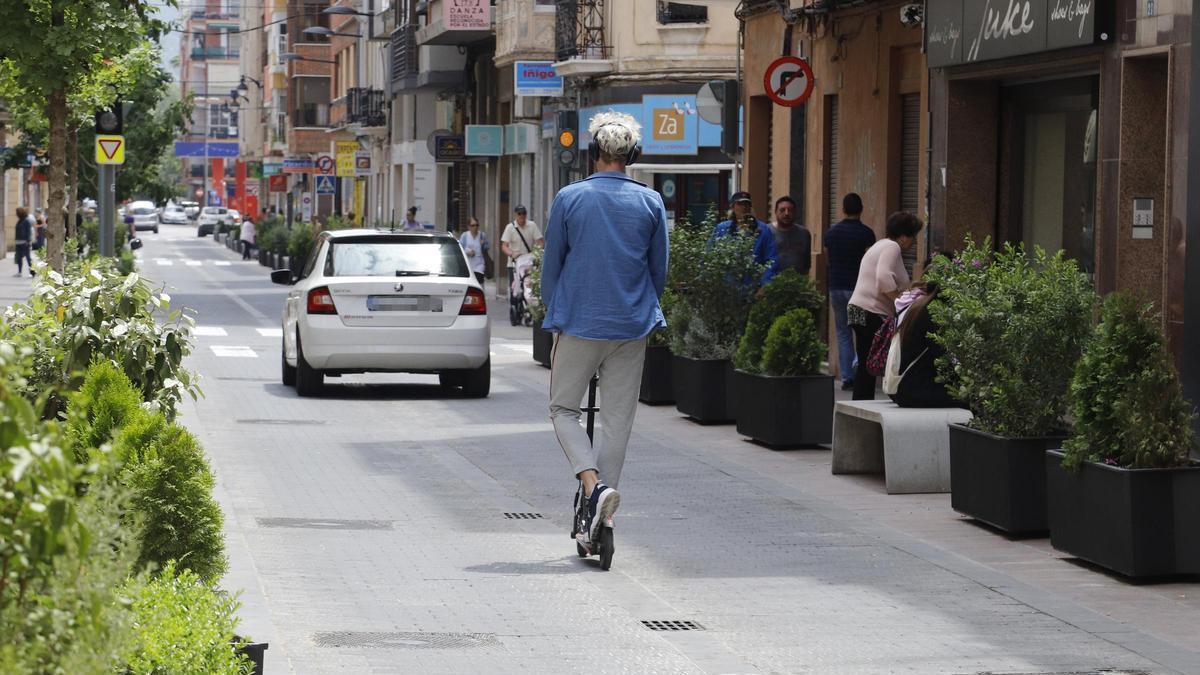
(145, 216)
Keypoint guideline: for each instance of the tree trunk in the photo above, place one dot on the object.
(73, 170)
(56, 112)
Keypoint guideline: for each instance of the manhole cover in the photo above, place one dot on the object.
(671, 625)
(281, 422)
(522, 516)
(401, 640)
(325, 523)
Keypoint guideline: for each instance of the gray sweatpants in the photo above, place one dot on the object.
(572, 364)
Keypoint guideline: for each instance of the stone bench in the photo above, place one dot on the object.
(909, 446)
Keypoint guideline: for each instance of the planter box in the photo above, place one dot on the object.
(657, 387)
(701, 389)
(1131, 521)
(543, 345)
(262, 257)
(256, 652)
(784, 411)
(1000, 481)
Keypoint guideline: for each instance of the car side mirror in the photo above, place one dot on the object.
(283, 277)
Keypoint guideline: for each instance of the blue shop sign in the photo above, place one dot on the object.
(536, 78)
(485, 140)
(697, 132)
(201, 149)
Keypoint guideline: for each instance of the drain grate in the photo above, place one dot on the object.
(325, 523)
(522, 516)
(281, 422)
(671, 625)
(401, 640)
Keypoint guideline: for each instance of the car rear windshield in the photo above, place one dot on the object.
(395, 256)
(142, 210)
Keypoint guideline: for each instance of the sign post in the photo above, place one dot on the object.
(110, 151)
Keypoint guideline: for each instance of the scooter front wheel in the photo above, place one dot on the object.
(606, 548)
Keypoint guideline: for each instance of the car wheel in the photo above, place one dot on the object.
(155, 229)
(289, 372)
(450, 379)
(309, 380)
(478, 383)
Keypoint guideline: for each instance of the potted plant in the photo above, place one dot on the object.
(1012, 326)
(657, 384)
(718, 280)
(543, 340)
(1124, 491)
(782, 398)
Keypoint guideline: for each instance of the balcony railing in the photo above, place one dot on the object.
(366, 106)
(579, 30)
(200, 53)
(404, 52)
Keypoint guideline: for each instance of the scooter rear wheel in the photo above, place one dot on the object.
(583, 552)
(606, 548)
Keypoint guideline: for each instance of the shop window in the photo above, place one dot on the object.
(833, 196)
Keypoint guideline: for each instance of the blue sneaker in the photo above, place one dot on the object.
(602, 506)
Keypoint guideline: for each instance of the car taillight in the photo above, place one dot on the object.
(320, 301)
(474, 303)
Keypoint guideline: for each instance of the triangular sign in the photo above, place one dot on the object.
(110, 146)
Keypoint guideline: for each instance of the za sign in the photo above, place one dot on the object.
(673, 125)
(537, 78)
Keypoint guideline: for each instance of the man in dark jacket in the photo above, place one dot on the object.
(845, 244)
(23, 239)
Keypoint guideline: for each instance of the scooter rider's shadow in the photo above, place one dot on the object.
(563, 565)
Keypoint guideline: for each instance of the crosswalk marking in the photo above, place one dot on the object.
(233, 351)
(270, 332)
(222, 263)
(193, 263)
(164, 262)
(209, 331)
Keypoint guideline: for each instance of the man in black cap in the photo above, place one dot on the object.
(743, 223)
(521, 236)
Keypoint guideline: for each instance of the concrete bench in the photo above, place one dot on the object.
(909, 446)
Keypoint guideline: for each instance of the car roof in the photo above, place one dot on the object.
(373, 232)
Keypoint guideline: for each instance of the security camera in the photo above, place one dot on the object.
(912, 15)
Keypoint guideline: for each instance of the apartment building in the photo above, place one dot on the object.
(210, 68)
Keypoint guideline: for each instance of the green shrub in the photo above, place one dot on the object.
(182, 625)
(105, 402)
(89, 236)
(171, 490)
(787, 291)
(1013, 327)
(713, 285)
(300, 243)
(1126, 400)
(275, 238)
(92, 311)
(537, 309)
(793, 346)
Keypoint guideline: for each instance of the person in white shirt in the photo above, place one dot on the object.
(247, 237)
(520, 236)
(475, 244)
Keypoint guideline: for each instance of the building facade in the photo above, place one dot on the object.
(210, 68)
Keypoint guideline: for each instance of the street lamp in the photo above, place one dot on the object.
(322, 31)
(343, 10)
(242, 88)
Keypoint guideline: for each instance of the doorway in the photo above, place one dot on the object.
(693, 195)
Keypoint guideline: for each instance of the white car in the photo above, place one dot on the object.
(380, 301)
(145, 215)
(172, 215)
(206, 224)
(192, 209)
(233, 217)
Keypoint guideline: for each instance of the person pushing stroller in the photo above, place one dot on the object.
(518, 242)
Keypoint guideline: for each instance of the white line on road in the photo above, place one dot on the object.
(209, 331)
(270, 332)
(164, 262)
(233, 351)
(222, 263)
(193, 263)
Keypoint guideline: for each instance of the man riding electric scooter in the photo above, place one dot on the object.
(604, 270)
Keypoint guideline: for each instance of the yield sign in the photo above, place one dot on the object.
(788, 81)
(110, 149)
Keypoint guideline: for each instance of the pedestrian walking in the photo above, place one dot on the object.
(476, 246)
(881, 279)
(39, 232)
(520, 236)
(248, 235)
(845, 244)
(741, 222)
(411, 224)
(604, 270)
(23, 239)
(793, 243)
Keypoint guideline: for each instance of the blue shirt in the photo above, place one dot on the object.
(764, 245)
(845, 245)
(605, 262)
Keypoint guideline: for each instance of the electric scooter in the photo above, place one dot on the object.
(602, 546)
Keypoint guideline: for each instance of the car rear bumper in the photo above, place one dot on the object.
(330, 345)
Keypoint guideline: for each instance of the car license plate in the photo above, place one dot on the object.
(403, 303)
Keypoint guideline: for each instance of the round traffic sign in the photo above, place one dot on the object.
(788, 81)
(325, 165)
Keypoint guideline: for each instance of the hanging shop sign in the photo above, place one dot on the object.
(536, 78)
(485, 140)
(344, 153)
(520, 138)
(298, 165)
(467, 14)
(969, 31)
(449, 148)
(674, 125)
(789, 81)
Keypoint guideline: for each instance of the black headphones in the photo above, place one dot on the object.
(630, 157)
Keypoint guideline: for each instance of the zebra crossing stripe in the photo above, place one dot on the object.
(233, 351)
(209, 331)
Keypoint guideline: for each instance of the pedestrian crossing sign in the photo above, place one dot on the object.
(325, 185)
(110, 149)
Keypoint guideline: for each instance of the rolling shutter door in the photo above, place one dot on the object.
(910, 164)
(832, 168)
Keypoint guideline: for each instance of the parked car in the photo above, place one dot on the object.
(145, 215)
(173, 215)
(192, 209)
(233, 217)
(383, 301)
(209, 217)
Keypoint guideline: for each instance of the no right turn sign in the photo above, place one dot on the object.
(788, 81)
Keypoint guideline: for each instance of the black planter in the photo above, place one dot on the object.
(255, 651)
(262, 257)
(543, 345)
(784, 412)
(701, 389)
(657, 388)
(1126, 520)
(1000, 481)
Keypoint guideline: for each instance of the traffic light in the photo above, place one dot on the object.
(110, 121)
(726, 92)
(568, 136)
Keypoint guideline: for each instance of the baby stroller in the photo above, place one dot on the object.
(521, 296)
